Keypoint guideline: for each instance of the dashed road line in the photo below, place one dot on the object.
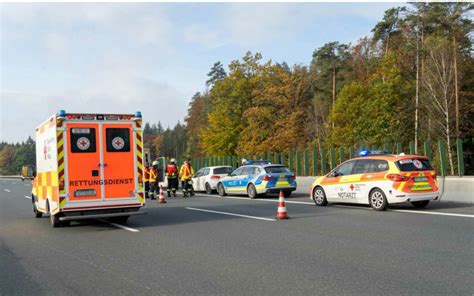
(230, 214)
(120, 226)
(26, 196)
(7, 190)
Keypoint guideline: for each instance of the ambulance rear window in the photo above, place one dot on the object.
(83, 140)
(118, 139)
(413, 165)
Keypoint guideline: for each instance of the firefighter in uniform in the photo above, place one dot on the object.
(146, 179)
(171, 173)
(153, 181)
(186, 172)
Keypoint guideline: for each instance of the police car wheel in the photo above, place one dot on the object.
(221, 190)
(208, 188)
(251, 191)
(420, 204)
(377, 200)
(319, 197)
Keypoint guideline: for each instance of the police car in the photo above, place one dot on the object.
(258, 178)
(378, 179)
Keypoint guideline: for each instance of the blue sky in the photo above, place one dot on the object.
(152, 57)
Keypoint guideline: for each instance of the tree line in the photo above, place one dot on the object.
(412, 80)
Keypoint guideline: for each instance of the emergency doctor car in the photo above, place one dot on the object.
(378, 179)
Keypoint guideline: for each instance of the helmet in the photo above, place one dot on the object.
(173, 160)
(244, 161)
(155, 162)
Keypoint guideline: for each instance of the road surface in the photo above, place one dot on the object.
(201, 246)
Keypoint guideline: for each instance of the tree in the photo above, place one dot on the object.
(439, 86)
(217, 73)
(389, 25)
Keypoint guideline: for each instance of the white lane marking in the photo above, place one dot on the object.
(270, 200)
(29, 197)
(351, 207)
(435, 213)
(231, 214)
(26, 185)
(7, 190)
(120, 226)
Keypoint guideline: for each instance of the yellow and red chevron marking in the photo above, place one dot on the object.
(60, 145)
(139, 146)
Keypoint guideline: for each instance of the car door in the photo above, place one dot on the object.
(367, 174)
(204, 179)
(197, 176)
(231, 182)
(334, 181)
(247, 174)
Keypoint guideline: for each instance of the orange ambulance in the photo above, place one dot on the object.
(89, 166)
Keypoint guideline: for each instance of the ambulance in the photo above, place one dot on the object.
(88, 166)
(378, 179)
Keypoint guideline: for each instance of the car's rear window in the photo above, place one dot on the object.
(223, 171)
(414, 164)
(276, 169)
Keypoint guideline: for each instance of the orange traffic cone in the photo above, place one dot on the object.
(281, 213)
(162, 196)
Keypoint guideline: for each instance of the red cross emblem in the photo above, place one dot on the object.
(352, 187)
(83, 143)
(118, 143)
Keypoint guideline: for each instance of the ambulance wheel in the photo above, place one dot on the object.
(377, 200)
(208, 188)
(65, 223)
(420, 204)
(38, 214)
(319, 197)
(221, 189)
(252, 191)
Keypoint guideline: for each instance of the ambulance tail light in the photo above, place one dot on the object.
(61, 184)
(215, 177)
(397, 178)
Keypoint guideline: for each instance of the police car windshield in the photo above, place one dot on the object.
(276, 169)
(415, 164)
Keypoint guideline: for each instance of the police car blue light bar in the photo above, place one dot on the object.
(366, 152)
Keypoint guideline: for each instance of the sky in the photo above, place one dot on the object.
(149, 57)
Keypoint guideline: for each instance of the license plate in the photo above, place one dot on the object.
(85, 192)
(421, 179)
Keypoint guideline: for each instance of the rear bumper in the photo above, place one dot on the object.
(402, 197)
(278, 189)
(99, 213)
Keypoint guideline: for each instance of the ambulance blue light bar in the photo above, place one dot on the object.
(363, 153)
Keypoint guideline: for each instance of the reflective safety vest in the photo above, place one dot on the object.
(171, 171)
(153, 174)
(146, 175)
(186, 172)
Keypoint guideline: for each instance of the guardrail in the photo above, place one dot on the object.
(314, 162)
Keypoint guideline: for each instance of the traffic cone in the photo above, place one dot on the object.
(162, 196)
(281, 213)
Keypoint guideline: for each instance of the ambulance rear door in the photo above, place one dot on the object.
(119, 161)
(83, 161)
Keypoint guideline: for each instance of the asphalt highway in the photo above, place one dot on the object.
(209, 245)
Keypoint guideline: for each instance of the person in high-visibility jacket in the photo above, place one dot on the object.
(153, 183)
(146, 178)
(171, 173)
(186, 172)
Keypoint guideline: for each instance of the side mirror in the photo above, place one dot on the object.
(333, 174)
